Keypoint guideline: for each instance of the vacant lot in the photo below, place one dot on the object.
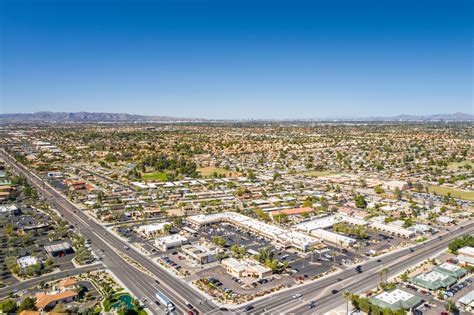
(456, 193)
(210, 171)
(158, 176)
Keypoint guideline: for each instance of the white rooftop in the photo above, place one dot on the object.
(153, 227)
(450, 267)
(8, 208)
(320, 223)
(173, 238)
(466, 250)
(394, 296)
(432, 276)
(27, 261)
(272, 231)
(444, 219)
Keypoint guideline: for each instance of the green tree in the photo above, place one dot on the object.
(324, 204)
(398, 193)
(451, 307)
(178, 221)
(378, 189)
(219, 241)
(360, 201)
(166, 229)
(8, 306)
(28, 304)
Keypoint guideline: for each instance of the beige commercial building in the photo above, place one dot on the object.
(246, 268)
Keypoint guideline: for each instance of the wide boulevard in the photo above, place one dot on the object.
(142, 284)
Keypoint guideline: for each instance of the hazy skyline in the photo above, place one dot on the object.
(246, 59)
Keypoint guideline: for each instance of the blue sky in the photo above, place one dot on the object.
(237, 59)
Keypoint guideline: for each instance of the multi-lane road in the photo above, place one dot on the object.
(142, 284)
(48, 277)
(352, 281)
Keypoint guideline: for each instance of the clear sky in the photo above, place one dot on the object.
(238, 59)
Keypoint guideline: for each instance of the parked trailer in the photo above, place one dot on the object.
(163, 299)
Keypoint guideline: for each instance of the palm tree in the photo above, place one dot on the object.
(380, 273)
(451, 306)
(385, 271)
(333, 254)
(347, 297)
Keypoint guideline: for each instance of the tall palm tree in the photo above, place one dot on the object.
(333, 254)
(385, 271)
(347, 297)
(380, 273)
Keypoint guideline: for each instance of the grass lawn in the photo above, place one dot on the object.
(456, 193)
(209, 171)
(456, 165)
(318, 173)
(158, 176)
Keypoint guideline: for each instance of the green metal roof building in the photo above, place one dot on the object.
(441, 276)
(396, 300)
(451, 270)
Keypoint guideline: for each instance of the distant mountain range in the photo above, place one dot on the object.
(89, 117)
(85, 117)
(436, 117)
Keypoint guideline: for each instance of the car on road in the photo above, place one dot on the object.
(126, 247)
(335, 291)
(358, 269)
(248, 308)
(297, 295)
(157, 282)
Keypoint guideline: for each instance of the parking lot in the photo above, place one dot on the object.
(301, 266)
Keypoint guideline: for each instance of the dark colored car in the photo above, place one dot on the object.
(248, 308)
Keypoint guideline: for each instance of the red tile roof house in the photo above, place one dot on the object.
(64, 294)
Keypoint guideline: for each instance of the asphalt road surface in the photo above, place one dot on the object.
(352, 281)
(139, 283)
(27, 284)
(143, 285)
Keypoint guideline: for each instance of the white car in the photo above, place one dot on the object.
(296, 295)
